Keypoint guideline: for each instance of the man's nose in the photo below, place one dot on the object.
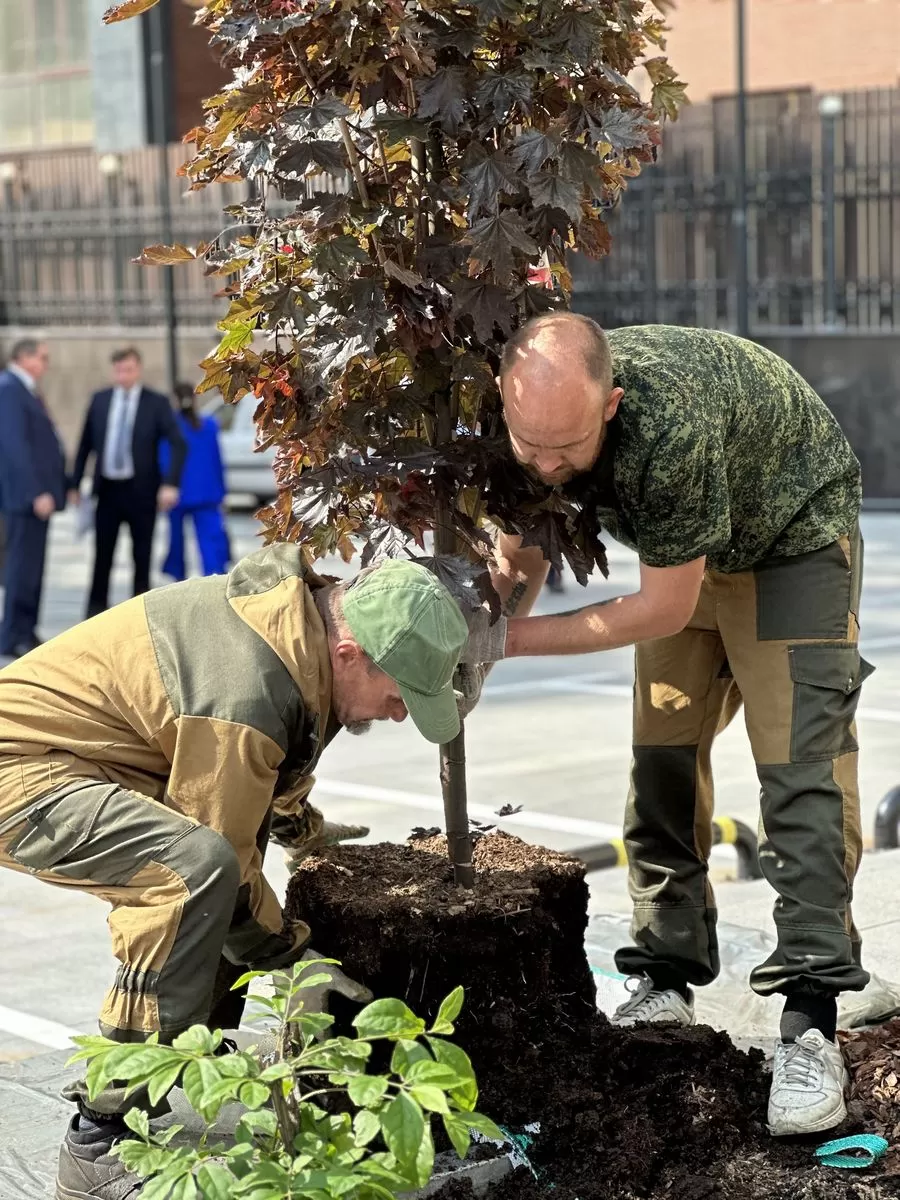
(398, 711)
(547, 462)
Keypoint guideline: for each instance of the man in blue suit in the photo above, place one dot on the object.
(125, 427)
(32, 489)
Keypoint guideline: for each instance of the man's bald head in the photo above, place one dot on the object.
(556, 384)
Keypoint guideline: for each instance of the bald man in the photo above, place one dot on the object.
(722, 468)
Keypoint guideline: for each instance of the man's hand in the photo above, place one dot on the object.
(44, 506)
(167, 497)
(315, 999)
(74, 497)
(468, 682)
(330, 834)
(486, 642)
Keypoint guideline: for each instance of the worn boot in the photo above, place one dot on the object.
(87, 1171)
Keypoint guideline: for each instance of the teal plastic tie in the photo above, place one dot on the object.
(868, 1148)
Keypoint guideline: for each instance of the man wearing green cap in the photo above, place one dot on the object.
(147, 754)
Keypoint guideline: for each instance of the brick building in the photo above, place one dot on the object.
(825, 45)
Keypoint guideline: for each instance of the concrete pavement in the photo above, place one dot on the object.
(552, 735)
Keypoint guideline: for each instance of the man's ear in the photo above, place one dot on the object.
(612, 403)
(347, 652)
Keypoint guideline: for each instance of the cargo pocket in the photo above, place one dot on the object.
(827, 679)
(57, 827)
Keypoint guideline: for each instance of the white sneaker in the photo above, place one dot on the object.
(646, 1005)
(808, 1083)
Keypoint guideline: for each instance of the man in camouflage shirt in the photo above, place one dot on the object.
(722, 468)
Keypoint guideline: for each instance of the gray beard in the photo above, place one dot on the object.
(358, 728)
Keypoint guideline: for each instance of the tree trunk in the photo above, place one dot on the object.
(456, 809)
(453, 757)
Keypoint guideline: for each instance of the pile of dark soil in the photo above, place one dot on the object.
(624, 1114)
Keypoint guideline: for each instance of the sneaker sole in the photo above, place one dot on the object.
(834, 1118)
(667, 1023)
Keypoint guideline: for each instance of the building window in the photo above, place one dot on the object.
(45, 75)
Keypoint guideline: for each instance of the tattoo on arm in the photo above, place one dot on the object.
(514, 599)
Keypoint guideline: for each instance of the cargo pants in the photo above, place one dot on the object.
(783, 640)
(180, 921)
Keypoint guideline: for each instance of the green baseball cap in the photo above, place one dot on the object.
(411, 627)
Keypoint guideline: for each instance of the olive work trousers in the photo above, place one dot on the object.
(782, 640)
(180, 921)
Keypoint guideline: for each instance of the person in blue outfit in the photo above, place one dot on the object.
(32, 489)
(202, 491)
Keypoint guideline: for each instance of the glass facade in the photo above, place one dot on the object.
(45, 74)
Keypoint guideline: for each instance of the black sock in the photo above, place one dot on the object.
(665, 979)
(804, 1011)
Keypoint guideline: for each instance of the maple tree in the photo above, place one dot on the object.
(410, 164)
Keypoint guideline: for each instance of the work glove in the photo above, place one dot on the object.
(331, 833)
(315, 999)
(468, 681)
(486, 642)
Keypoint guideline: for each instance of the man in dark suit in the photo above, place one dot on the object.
(124, 428)
(32, 488)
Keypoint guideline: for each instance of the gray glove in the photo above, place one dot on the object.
(487, 642)
(330, 834)
(315, 999)
(467, 684)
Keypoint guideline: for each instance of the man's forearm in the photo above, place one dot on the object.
(604, 626)
(518, 576)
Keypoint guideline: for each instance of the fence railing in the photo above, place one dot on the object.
(822, 229)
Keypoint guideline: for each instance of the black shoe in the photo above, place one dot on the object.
(87, 1171)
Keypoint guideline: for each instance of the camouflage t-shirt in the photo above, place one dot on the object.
(720, 448)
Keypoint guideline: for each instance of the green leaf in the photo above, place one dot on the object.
(444, 96)
(248, 976)
(235, 339)
(162, 1082)
(366, 1127)
(253, 1094)
(466, 1095)
(424, 1164)
(216, 1182)
(406, 1053)
(483, 1125)
(439, 1074)
(458, 1133)
(390, 1019)
(367, 1090)
(199, 1039)
(279, 1070)
(204, 1087)
(430, 1097)
(449, 1011)
(138, 1121)
(261, 1121)
(495, 241)
(403, 1126)
(669, 97)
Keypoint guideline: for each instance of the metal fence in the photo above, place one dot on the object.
(71, 223)
(822, 220)
(822, 227)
